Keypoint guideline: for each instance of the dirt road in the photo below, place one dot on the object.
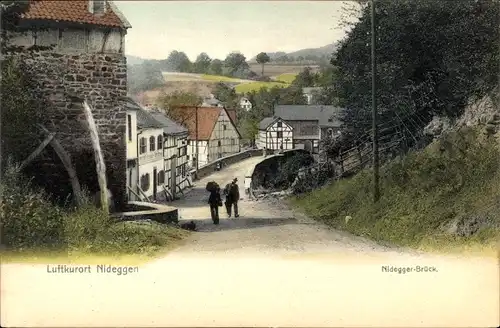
(269, 267)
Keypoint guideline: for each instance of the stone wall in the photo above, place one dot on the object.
(208, 169)
(65, 80)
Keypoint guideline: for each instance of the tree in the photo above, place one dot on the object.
(178, 62)
(236, 63)
(178, 98)
(292, 95)
(216, 67)
(146, 76)
(305, 79)
(226, 95)
(202, 63)
(428, 62)
(262, 59)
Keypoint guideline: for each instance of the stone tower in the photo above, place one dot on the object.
(86, 61)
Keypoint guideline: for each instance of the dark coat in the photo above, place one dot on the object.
(234, 193)
(214, 199)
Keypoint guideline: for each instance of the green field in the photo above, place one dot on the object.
(256, 86)
(219, 78)
(286, 77)
(430, 200)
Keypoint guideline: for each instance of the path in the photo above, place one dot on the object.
(266, 268)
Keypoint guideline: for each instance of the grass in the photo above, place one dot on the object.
(421, 196)
(274, 69)
(34, 229)
(286, 77)
(220, 78)
(256, 86)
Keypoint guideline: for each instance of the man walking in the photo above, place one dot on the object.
(232, 196)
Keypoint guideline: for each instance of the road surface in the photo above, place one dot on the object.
(270, 267)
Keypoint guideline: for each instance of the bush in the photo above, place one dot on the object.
(29, 221)
(27, 217)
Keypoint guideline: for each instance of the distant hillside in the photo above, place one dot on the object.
(316, 52)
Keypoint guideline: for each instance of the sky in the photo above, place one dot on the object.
(221, 27)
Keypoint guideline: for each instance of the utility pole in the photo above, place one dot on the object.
(197, 146)
(376, 163)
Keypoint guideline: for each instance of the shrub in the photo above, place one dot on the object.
(27, 217)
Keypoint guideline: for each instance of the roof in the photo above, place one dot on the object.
(144, 119)
(169, 126)
(232, 115)
(75, 11)
(325, 115)
(310, 89)
(207, 117)
(266, 122)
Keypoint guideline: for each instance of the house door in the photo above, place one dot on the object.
(155, 182)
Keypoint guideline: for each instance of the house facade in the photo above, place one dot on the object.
(245, 104)
(156, 154)
(275, 134)
(212, 133)
(174, 153)
(310, 123)
(86, 60)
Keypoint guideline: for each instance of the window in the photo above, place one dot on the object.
(161, 177)
(224, 127)
(233, 142)
(145, 182)
(218, 143)
(129, 126)
(98, 6)
(152, 143)
(160, 142)
(143, 145)
(280, 134)
(183, 169)
(279, 124)
(189, 142)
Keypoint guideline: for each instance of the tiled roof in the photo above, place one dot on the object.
(232, 115)
(325, 115)
(75, 11)
(207, 117)
(169, 126)
(144, 119)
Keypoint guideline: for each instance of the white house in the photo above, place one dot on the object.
(309, 93)
(174, 152)
(245, 104)
(212, 133)
(275, 134)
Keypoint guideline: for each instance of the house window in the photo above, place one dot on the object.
(233, 142)
(189, 142)
(224, 127)
(152, 143)
(98, 6)
(218, 143)
(161, 177)
(145, 182)
(280, 134)
(160, 142)
(129, 125)
(183, 169)
(143, 145)
(279, 124)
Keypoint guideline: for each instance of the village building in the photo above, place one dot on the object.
(174, 152)
(310, 124)
(309, 93)
(212, 133)
(86, 60)
(211, 101)
(274, 134)
(245, 104)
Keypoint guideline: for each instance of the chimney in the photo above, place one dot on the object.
(97, 7)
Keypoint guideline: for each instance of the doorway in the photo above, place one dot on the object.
(155, 182)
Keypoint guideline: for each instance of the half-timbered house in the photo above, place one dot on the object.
(275, 134)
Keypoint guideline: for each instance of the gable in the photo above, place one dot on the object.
(207, 118)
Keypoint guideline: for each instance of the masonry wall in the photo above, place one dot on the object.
(101, 78)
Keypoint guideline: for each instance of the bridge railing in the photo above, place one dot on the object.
(209, 168)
